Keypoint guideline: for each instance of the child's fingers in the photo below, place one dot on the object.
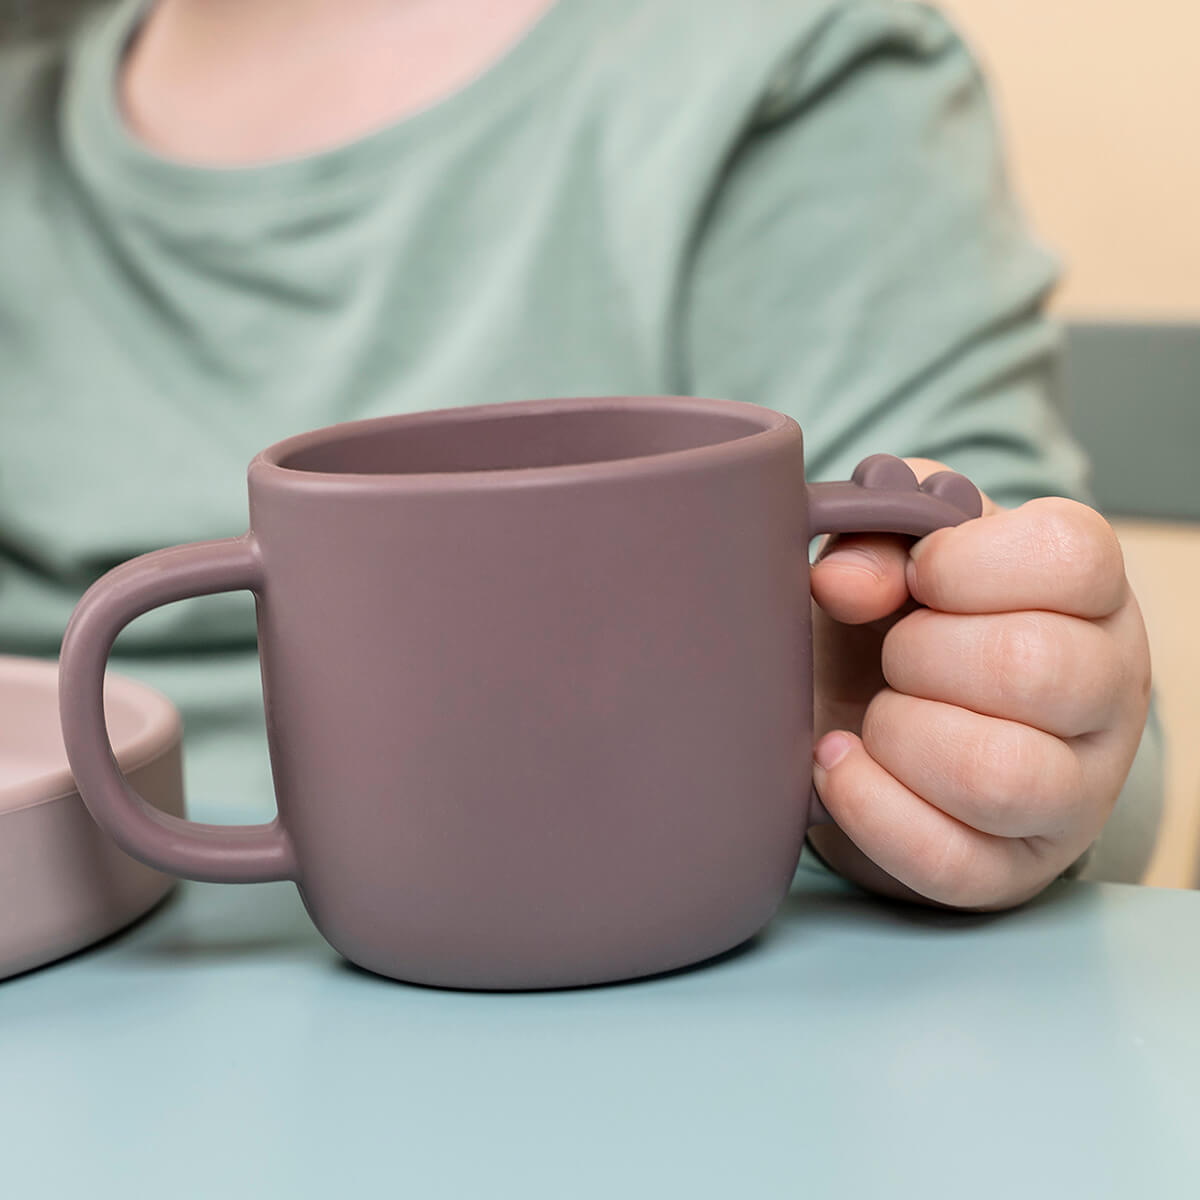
(1049, 554)
(859, 577)
(925, 849)
(1062, 674)
(997, 776)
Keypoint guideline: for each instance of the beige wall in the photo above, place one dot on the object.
(1100, 101)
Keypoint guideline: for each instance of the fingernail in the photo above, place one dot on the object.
(854, 556)
(910, 576)
(831, 749)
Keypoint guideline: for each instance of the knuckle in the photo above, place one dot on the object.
(1024, 658)
(1003, 769)
(967, 873)
(1081, 543)
(953, 877)
(1031, 777)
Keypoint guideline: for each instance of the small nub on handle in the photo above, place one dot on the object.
(884, 496)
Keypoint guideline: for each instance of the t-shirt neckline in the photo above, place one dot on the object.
(98, 137)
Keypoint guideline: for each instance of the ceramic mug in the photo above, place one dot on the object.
(537, 675)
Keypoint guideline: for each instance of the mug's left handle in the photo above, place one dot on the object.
(213, 853)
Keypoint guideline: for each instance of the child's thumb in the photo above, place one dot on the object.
(859, 578)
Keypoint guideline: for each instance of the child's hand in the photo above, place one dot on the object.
(998, 731)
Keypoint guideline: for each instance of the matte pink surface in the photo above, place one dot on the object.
(63, 882)
(538, 680)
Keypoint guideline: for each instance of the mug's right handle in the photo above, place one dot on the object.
(883, 496)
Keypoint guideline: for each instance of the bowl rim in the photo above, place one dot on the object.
(159, 731)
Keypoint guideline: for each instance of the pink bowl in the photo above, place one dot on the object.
(63, 883)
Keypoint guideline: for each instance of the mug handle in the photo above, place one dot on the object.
(212, 853)
(883, 496)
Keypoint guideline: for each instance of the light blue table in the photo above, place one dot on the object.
(220, 1049)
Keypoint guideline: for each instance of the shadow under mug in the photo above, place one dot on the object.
(537, 676)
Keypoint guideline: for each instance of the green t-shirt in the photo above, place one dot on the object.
(801, 205)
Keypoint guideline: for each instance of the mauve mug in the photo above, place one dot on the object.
(538, 680)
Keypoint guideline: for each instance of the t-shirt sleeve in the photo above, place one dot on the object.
(862, 265)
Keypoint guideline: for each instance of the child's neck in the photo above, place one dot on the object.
(235, 82)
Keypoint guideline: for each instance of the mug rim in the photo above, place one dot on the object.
(773, 428)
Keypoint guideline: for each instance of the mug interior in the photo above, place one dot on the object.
(517, 440)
